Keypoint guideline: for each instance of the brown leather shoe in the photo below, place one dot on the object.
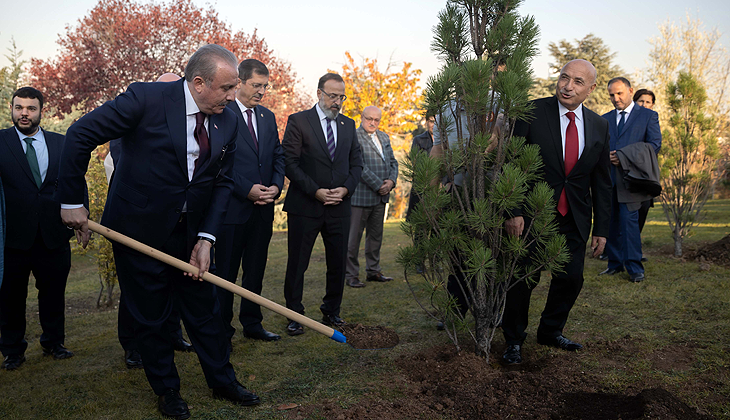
(355, 282)
(379, 277)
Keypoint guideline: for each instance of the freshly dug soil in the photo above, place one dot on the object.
(370, 337)
(440, 383)
(717, 252)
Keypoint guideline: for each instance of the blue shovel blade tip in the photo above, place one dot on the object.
(337, 336)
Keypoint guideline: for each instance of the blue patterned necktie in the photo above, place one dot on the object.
(330, 139)
(32, 157)
(621, 122)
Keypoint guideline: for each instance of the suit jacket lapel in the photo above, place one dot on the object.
(175, 114)
(588, 136)
(340, 139)
(553, 119)
(243, 128)
(13, 142)
(54, 158)
(631, 119)
(313, 118)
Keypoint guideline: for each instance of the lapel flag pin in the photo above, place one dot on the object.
(215, 125)
(262, 115)
(342, 122)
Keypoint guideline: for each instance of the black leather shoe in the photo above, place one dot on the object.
(172, 405)
(13, 361)
(183, 346)
(133, 359)
(294, 328)
(58, 352)
(355, 282)
(512, 355)
(610, 272)
(237, 394)
(644, 259)
(379, 277)
(637, 278)
(333, 321)
(261, 334)
(560, 342)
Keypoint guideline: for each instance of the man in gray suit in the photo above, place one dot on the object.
(379, 174)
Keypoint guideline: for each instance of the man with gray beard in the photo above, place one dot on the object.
(323, 163)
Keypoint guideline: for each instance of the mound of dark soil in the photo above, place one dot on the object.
(442, 384)
(717, 252)
(370, 337)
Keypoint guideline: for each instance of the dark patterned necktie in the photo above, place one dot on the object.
(330, 139)
(251, 130)
(621, 122)
(201, 136)
(32, 157)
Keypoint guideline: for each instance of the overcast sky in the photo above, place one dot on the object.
(314, 35)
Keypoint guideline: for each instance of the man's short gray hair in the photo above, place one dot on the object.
(204, 62)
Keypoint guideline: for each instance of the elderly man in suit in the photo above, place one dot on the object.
(37, 240)
(628, 124)
(323, 163)
(574, 145)
(125, 321)
(181, 138)
(379, 174)
(258, 176)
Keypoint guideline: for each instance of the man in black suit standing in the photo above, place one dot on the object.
(574, 145)
(258, 176)
(182, 139)
(37, 240)
(323, 164)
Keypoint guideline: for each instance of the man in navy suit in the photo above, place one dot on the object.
(37, 240)
(628, 124)
(125, 321)
(258, 177)
(323, 164)
(181, 139)
(573, 144)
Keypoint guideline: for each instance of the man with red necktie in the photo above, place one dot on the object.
(574, 146)
(258, 177)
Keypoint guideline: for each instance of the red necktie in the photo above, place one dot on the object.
(201, 136)
(571, 158)
(251, 130)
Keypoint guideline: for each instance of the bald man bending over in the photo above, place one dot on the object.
(574, 146)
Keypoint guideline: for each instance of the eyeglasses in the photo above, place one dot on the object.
(259, 86)
(370, 119)
(334, 96)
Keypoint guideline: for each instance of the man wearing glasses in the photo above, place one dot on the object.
(258, 176)
(379, 174)
(323, 164)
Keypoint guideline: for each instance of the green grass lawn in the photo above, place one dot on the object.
(678, 306)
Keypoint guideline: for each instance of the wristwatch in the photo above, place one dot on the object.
(204, 238)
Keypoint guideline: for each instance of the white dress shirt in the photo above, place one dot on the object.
(193, 149)
(579, 124)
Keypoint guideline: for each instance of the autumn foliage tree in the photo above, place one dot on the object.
(121, 41)
(394, 91)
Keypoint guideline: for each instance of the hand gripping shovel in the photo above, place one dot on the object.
(222, 283)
